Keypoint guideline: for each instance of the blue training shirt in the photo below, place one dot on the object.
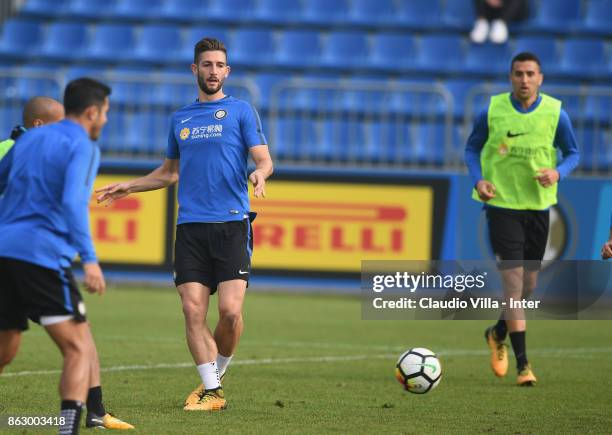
(565, 140)
(212, 141)
(44, 211)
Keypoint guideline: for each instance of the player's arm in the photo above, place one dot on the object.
(79, 179)
(473, 148)
(263, 169)
(565, 140)
(164, 176)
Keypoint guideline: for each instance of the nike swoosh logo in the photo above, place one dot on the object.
(97, 420)
(509, 134)
(185, 120)
(431, 366)
(242, 273)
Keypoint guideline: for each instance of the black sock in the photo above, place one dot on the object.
(520, 348)
(94, 401)
(501, 330)
(71, 413)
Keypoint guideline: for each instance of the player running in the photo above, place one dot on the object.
(209, 144)
(511, 155)
(44, 223)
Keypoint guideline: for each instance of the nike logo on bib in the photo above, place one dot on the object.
(509, 134)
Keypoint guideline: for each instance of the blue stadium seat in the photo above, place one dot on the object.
(598, 18)
(194, 34)
(595, 146)
(148, 132)
(278, 11)
(556, 16)
(341, 140)
(64, 41)
(136, 10)
(89, 9)
(459, 15)
(392, 52)
(571, 102)
(299, 49)
(460, 90)
(583, 58)
(19, 38)
(420, 14)
(294, 138)
(43, 8)
(158, 44)
(230, 11)
(430, 140)
(10, 115)
(440, 53)
(544, 46)
(110, 43)
(93, 71)
(325, 12)
(598, 108)
(184, 11)
(373, 13)
(388, 142)
(488, 59)
(266, 83)
(346, 49)
(252, 47)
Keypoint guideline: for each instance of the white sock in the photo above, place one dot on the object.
(210, 375)
(222, 363)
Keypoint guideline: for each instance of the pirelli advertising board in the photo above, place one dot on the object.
(314, 224)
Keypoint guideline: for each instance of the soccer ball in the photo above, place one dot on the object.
(418, 370)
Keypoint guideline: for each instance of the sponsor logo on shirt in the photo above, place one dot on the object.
(185, 133)
(207, 131)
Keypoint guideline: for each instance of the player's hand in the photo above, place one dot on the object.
(547, 177)
(94, 279)
(486, 190)
(606, 250)
(259, 183)
(112, 192)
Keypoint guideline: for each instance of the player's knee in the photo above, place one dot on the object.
(231, 318)
(5, 359)
(193, 311)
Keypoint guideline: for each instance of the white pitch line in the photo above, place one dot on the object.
(577, 352)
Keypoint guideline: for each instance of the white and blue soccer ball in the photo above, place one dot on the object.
(418, 370)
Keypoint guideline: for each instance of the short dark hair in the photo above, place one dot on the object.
(524, 57)
(82, 93)
(207, 44)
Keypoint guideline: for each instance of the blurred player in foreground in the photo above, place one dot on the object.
(209, 144)
(606, 249)
(44, 223)
(511, 155)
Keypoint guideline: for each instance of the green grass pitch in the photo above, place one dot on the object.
(309, 364)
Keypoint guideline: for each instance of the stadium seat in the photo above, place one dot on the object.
(111, 43)
(19, 38)
(147, 133)
(230, 11)
(392, 52)
(93, 71)
(298, 49)
(420, 14)
(266, 83)
(281, 12)
(598, 108)
(544, 46)
(252, 47)
(346, 49)
(440, 53)
(43, 8)
(195, 34)
(556, 16)
(461, 90)
(388, 142)
(598, 18)
(158, 44)
(89, 9)
(184, 11)
(487, 59)
(293, 138)
(325, 12)
(341, 140)
(10, 114)
(595, 146)
(583, 58)
(63, 42)
(136, 10)
(372, 13)
(430, 143)
(458, 15)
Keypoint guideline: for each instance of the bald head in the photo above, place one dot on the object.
(42, 110)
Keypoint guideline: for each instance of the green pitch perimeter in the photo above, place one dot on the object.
(309, 364)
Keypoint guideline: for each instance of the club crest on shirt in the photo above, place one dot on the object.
(185, 133)
(220, 114)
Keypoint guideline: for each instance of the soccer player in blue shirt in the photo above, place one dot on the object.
(209, 144)
(44, 223)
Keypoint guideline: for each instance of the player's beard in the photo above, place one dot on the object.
(206, 89)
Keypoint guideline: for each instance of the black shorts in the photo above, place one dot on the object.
(518, 237)
(210, 253)
(31, 291)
